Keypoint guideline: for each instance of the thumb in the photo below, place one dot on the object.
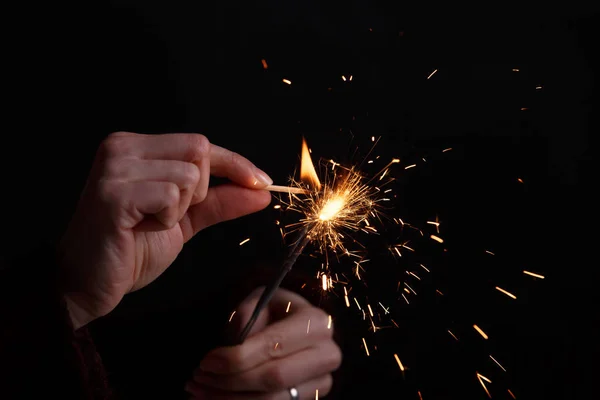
(223, 203)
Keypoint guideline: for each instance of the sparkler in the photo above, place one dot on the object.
(344, 203)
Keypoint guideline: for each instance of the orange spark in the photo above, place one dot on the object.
(431, 74)
(399, 362)
(437, 238)
(512, 296)
(264, 63)
(482, 333)
(534, 275)
(482, 378)
(244, 241)
(287, 81)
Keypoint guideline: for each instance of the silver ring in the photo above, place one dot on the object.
(294, 394)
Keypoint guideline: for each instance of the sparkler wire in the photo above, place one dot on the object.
(272, 287)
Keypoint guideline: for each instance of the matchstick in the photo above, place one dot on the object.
(286, 189)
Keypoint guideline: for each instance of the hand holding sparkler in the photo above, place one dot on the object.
(290, 346)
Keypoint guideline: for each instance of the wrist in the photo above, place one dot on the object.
(78, 314)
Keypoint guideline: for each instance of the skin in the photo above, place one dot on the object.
(145, 197)
(281, 351)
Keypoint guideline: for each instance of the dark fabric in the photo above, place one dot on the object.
(40, 353)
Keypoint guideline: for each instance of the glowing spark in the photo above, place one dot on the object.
(410, 166)
(287, 81)
(511, 394)
(350, 78)
(324, 281)
(332, 208)
(276, 346)
(308, 326)
(277, 206)
(448, 149)
(399, 362)
(316, 394)
(482, 333)
(534, 275)
(385, 310)
(438, 292)
(431, 74)
(420, 397)
(264, 63)
(494, 360)
(244, 241)
(512, 296)
(343, 78)
(515, 69)
(405, 299)
(366, 348)
(437, 238)
(520, 180)
(453, 335)
(357, 305)
(231, 316)
(490, 253)
(482, 378)
(538, 88)
(344, 203)
(287, 309)
(370, 310)
(424, 267)
(329, 322)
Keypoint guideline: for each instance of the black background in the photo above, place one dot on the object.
(76, 73)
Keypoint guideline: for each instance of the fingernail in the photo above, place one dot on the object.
(262, 179)
(212, 364)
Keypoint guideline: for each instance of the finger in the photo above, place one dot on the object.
(223, 203)
(191, 147)
(279, 306)
(244, 312)
(279, 374)
(133, 202)
(228, 164)
(185, 175)
(312, 389)
(188, 147)
(297, 332)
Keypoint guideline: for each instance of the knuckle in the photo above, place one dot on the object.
(326, 385)
(333, 357)
(171, 195)
(235, 159)
(116, 143)
(191, 173)
(198, 147)
(274, 379)
(235, 359)
(272, 345)
(321, 320)
(109, 192)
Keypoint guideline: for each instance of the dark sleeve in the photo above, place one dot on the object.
(40, 353)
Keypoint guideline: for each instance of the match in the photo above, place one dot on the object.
(286, 189)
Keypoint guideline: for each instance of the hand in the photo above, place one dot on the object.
(146, 196)
(284, 349)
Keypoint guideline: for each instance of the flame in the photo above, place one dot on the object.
(307, 169)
